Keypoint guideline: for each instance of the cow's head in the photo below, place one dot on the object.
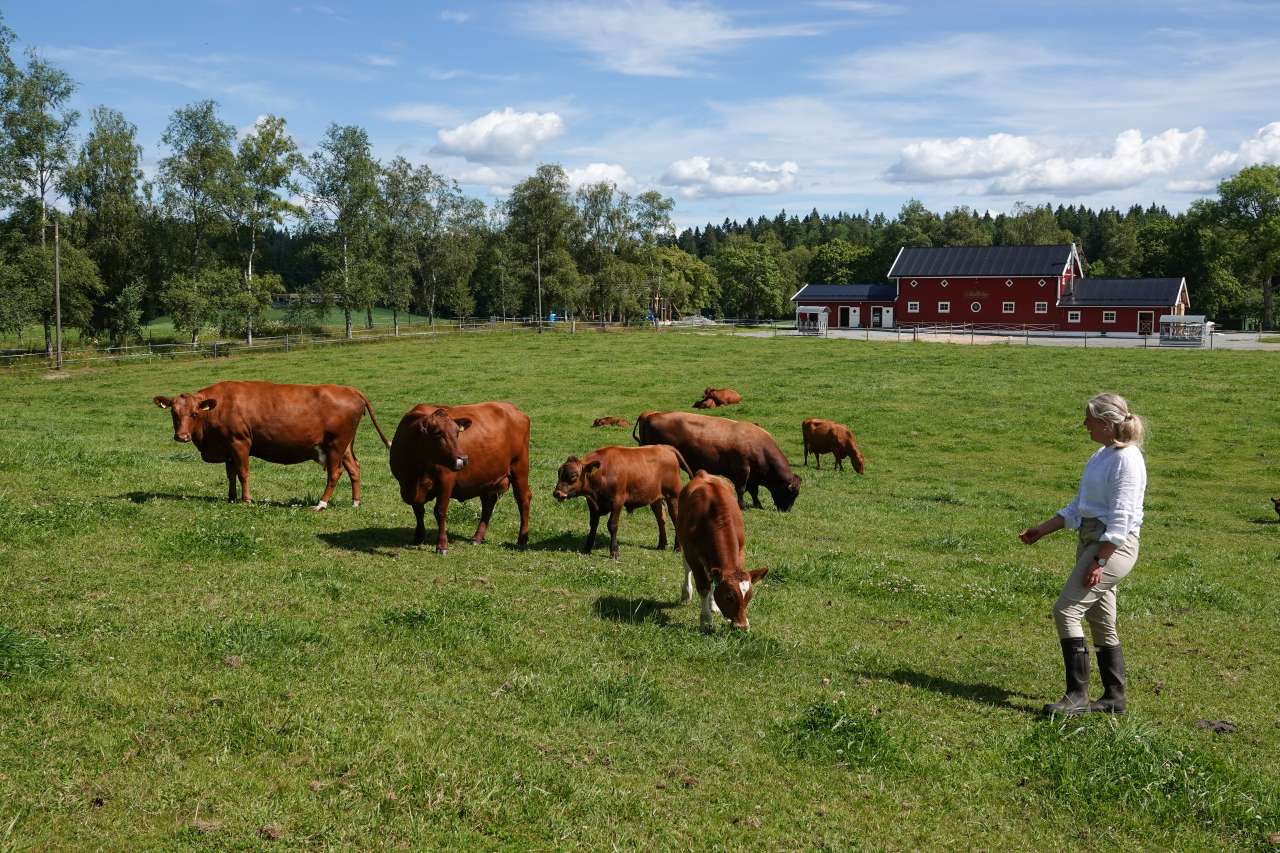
(733, 593)
(573, 477)
(855, 455)
(705, 403)
(188, 411)
(786, 492)
(441, 433)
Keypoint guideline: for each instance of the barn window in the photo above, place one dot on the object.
(975, 307)
(1042, 307)
(1006, 307)
(1108, 316)
(913, 307)
(944, 307)
(1073, 316)
(944, 282)
(1008, 282)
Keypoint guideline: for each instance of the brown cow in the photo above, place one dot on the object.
(742, 452)
(822, 436)
(616, 478)
(230, 421)
(710, 531)
(714, 397)
(611, 420)
(462, 452)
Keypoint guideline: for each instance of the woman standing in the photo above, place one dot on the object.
(1107, 511)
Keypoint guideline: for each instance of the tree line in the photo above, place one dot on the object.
(231, 221)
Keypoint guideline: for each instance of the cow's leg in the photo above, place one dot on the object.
(686, 588)
(487, 502)
(839, 461)
(656, 506)
(806, 454)
(331, 459)
(520, 489)
(708, 607)
(420, 529)
(442, 518)
(231, 481)
(754, 489)
(614, 515)
(673, 509)
(818, 457)
(240, 458)
(352, 466)
(591, 534)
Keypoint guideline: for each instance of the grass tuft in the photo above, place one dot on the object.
(624, 696)
(23, 654)
(831, 732)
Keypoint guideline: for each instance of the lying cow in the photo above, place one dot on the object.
(230, 421)
(616, 478)
(610, 420)
(462, 452)
(830, 437)
(742, 452)
(713, 397)
(710, 532)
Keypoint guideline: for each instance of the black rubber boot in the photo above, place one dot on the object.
(1111, 668)
(1076, 701)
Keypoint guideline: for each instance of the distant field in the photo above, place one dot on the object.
(179, 672)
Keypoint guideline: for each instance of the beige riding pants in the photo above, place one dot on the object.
(1097, 604)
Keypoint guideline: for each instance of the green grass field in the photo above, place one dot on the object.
(178, 672)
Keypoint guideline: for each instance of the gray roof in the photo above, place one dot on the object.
(981, 261)
(1122, 292)
(855, 292)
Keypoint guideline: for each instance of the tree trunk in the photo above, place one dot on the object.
(368, 316)
(346, 287)
(395, 322)
(253, 243)
(1268, 283)
(195, 337)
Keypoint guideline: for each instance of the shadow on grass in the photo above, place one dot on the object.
(633, 611)
(1266, 521)
(983, 694)
(147, 497)
(560, 542)
(372, 540)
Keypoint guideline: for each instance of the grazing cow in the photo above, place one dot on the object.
(611, 420)
(742, 452)
(462, 452)
(830, 437)
(714, 397)
(710, 532)
(230, 421)
(1275, 502)
(616, 478)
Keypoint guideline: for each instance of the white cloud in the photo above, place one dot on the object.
(861, 7)
(245, 132)
(379, 60)
(501, 137)
(454, 16)
(1192, 186)
(649, 37)
(433, 114)
(601, 173)
(702, 177)
(1262, 147)
(964, 157)
(1131, 161)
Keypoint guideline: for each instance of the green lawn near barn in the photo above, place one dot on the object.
(179, 672)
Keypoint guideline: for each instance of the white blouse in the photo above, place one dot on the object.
(1111, 490)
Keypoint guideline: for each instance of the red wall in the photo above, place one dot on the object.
(1126, 320)
(990, 292)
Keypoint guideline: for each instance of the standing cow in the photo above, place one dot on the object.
(742, 452)
(830, 437)
(462, 452)
(711, 533)
(616, 478)
(230, 421)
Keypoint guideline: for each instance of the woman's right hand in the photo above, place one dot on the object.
(1031, 535)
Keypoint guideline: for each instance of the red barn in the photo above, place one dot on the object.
(1000, 286)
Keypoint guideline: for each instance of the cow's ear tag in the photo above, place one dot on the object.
(206, 405)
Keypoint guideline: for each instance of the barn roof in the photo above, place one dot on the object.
(1122, 292)
(981, 261)
(846, 292)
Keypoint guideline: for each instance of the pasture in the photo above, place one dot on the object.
(175, 671)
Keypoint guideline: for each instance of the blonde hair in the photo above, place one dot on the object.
(1129, 429)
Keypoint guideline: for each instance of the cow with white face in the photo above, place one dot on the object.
(711, 535)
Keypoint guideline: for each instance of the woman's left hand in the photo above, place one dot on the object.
(1092, 576)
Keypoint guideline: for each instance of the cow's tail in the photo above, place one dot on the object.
(684, 466)
(368, 407)
(635, 430)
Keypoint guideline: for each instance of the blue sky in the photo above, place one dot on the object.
(732, 108)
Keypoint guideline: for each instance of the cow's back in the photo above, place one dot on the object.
(710, 527)
(281, 422)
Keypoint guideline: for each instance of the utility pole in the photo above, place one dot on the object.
(539, 284)
(57, 292)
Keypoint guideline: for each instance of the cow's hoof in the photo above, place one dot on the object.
(477, 540)
(707, 628)
(441, 551)
(613, 555)
(522, 544)
(355, 504)
(321, 507)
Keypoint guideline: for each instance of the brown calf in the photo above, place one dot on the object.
(611, 420)
(616, 478)
(822, 436)
(462, 452)
(713, 397)
(230, 421)
(710, 531)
